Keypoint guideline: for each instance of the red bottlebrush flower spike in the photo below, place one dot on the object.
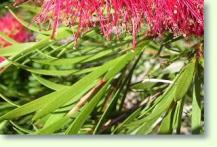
(11, 27)
(181, 17)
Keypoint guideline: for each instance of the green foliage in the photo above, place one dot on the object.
(53, 86)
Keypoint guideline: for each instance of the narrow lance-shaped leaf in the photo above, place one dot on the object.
(48, 83)
(184, 81)
(177, 119)
(166, 124)
(196, 104)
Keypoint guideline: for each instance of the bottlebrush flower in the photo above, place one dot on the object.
(13, 29)
(181, 17)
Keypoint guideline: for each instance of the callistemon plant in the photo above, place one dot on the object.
(112, 67)
(13, 29)
(181, 17)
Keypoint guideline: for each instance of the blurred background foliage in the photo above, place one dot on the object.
(99, 86)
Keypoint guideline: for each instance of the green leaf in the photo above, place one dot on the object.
(66, 61)
(56, 122)
(99, 55)
(167, 99)
(54, 126)
(16, 49)
(106, 112)
(28, 25)
(166, 124)
(184, 81)
(74, 60)
(144, 128)
(48, 83)
(53, 118)
(8, 100)
(28, 108)
(60, 122)
(51, 72)
(8, 39)
(178, 116)
(21, 129)
(196, 105)
(125, 59)
(31, 8)
(54, 72)
(45, 55)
